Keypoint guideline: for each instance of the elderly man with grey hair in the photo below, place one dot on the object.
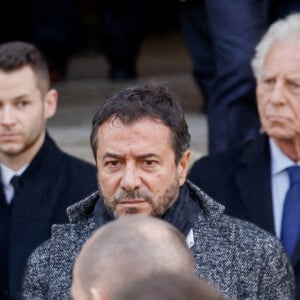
(259, 180)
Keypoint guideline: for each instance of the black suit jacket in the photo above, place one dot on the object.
(240, 179)
(52, 182)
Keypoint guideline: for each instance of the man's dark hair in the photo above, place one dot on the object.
(150, 101)
(15, 55)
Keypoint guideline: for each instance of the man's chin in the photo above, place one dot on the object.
(12, 150)
(120, 210)
(281, 135)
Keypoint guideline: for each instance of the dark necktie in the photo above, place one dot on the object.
(16, 183)
(290, 227)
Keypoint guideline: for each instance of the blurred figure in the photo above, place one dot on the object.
(122, 32)
(164, 286)
(259, 180)
(126, 250)
(38, 180)
(52, 29)
(122, 26)
(221, 37)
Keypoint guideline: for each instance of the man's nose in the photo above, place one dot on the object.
(130, 178)
(7, 115)
(278, 93)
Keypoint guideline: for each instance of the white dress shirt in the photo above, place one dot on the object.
(6, 175)
(280, 182)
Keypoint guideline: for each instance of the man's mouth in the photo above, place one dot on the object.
(131, 201)
(8, 135)
(276, 118)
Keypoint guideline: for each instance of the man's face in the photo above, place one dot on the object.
(137, 173)
(278, 91)
(23, 114)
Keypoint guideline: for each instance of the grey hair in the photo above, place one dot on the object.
(283, 29)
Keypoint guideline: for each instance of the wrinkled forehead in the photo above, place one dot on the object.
(283, 56)
(142, 137)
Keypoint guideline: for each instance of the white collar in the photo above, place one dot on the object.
(7, 173)
(279, 161)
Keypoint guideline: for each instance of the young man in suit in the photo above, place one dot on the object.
(38, 180)
(140, 141)
(252, 180)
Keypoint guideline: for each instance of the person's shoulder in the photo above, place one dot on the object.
(37, 269)
(77, 170)
(261, 254)
(206, 169)
(249, 234)
(62, 236)
(231, 154)
(67, 158)
(76, 161)
(40, 254)
(245, 236)
(255, 258)
(223, 165)
(49, 267)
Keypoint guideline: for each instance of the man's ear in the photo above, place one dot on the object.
(97, 294)
(50, 99)
(183, 166)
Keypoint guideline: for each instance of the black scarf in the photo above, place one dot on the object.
(182, 214)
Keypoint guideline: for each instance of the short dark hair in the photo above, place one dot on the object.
(135, 103)
(15, 55)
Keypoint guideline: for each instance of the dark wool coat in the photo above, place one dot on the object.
(243, 261)
(52, 182)
(243, 186)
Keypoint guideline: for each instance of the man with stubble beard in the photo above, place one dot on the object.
(140, 142)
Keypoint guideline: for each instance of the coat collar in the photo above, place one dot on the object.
(210, 209)
(253, 177)
(83, 209)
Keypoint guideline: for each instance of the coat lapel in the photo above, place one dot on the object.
(253, 177)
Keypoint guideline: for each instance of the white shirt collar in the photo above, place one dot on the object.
(7, 173)
(280, 162)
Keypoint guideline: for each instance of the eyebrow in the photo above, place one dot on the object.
(294, 77)
(148, 155)
(143, 156)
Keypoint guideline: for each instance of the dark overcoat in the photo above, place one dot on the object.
(53, 181)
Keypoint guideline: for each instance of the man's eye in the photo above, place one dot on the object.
(111, 163)
(269, 81)
(150, 163)
(294, 86)
(22, 104)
